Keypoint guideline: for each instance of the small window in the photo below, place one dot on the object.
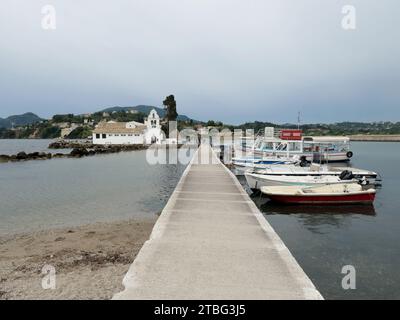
(104, 136)
(97, 135)
(137, 134)
(130, 135)
(117, 135)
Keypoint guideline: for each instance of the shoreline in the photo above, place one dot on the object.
(375, 138)
(90, 260)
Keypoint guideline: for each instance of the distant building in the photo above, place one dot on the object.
(131, 132)
(88, 122)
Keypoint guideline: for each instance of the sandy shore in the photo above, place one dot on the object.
(90, 261)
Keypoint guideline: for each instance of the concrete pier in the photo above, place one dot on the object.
(212, 242)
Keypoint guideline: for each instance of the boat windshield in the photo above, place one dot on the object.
(267, 146)
(326, 144)
(295, 146)
(330, 147)
(281, 147)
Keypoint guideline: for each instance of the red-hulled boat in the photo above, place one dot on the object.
(335, 194)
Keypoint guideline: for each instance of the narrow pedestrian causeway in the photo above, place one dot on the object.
(211, 242)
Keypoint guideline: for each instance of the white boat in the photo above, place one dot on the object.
(289, 142)
(336, 194)
(256, 179)
(244, 164)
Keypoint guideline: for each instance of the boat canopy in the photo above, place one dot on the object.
(326, 139)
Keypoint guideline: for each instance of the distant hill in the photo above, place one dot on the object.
(144, 109)
(332, 129)
(19, 120)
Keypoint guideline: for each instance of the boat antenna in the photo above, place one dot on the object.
(298, 120)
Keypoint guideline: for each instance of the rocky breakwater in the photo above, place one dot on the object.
(78, 151)
(102, 149)
(65, 144)
(23, 156)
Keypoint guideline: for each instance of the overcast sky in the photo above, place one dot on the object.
(227, 60)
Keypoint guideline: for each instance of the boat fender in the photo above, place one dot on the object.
(349, 154)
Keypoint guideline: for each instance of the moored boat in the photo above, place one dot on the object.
(290, 142)
(246, 163)
(256, 178)
(333, 194)
(257, 181)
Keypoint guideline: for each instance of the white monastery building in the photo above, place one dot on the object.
(133, 132)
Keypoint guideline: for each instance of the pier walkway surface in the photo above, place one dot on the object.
(212, 242)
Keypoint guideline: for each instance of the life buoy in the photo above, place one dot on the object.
(349, 154)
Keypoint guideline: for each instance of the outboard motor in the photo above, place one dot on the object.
(303, 161)
(346, 175)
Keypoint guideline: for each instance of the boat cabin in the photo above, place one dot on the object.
(291, 143)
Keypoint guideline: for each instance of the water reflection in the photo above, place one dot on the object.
(313, 217)
(270, 207)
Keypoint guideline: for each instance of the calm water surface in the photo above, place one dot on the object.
(68, 192)
(325, 239)
(13, 146)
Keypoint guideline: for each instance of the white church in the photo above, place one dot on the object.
(133, 132)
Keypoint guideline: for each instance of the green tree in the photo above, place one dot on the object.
(170, 107)
(170, 114)
(80, 133)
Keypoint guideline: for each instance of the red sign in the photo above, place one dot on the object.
(290, 134)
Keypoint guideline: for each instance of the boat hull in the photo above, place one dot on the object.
(362, 198)
(330, 157)
(256, 182)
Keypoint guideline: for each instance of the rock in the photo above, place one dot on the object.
(4, 158)
(33, 155)
(59, 155)
(79, 152)
(21, 156)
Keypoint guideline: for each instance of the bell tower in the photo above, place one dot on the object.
(153, 120)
